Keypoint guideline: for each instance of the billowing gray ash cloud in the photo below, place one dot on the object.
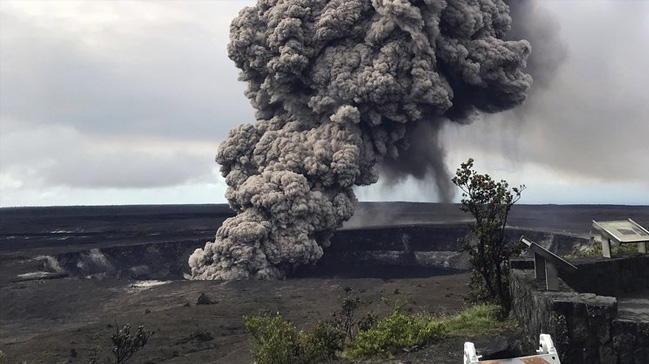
(340, 87)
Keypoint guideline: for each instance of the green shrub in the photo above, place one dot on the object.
(345, 319)
(324, 341)
(277, 341)
(399, 332)
(594, 250)
(395, 333)
(475, 320)
(273, 340)
(367, 322)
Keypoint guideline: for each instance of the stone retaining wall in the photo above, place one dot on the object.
(610, 277)
(584, 325)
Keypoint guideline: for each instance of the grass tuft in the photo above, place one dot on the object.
(476, 320)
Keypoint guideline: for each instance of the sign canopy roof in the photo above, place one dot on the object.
(622, 231)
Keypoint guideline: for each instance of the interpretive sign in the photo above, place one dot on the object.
(621, 232)
(546, 264)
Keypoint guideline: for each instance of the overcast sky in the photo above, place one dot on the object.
(109, 102)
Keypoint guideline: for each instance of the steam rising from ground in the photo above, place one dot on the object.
(341, 87)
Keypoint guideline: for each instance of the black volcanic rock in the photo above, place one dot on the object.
(203, 299)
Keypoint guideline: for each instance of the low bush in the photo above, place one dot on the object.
(476, 320)
(594, 250)
(399, 332)
(125, 343)
(324, 341)
(275, 340)
(395, 333)
(345, 318)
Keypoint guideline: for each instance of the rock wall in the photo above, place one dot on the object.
(585, 326)
(611, 277)
(631, 341)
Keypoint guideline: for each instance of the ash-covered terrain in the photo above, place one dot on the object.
(69, 274)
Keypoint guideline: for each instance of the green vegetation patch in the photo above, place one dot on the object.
(399, 332)
(594, 250)
(277, 341)
(395, 333)
(477, 320)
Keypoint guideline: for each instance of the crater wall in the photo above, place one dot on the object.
(418, 250)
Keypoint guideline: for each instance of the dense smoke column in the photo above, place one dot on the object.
(541, 28)
(340, 86)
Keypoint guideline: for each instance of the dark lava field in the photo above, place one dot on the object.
(69, 275)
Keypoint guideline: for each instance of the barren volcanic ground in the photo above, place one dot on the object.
(96, 264)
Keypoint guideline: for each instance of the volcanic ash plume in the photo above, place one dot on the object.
(340, 86)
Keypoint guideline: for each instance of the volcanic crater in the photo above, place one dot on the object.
(70, 274)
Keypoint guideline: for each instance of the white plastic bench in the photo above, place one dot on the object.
(547, 354)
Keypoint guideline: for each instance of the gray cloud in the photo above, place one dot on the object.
(75, 161)
(122, 169)
(91, 100)
(168, 82)
(111, 70)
